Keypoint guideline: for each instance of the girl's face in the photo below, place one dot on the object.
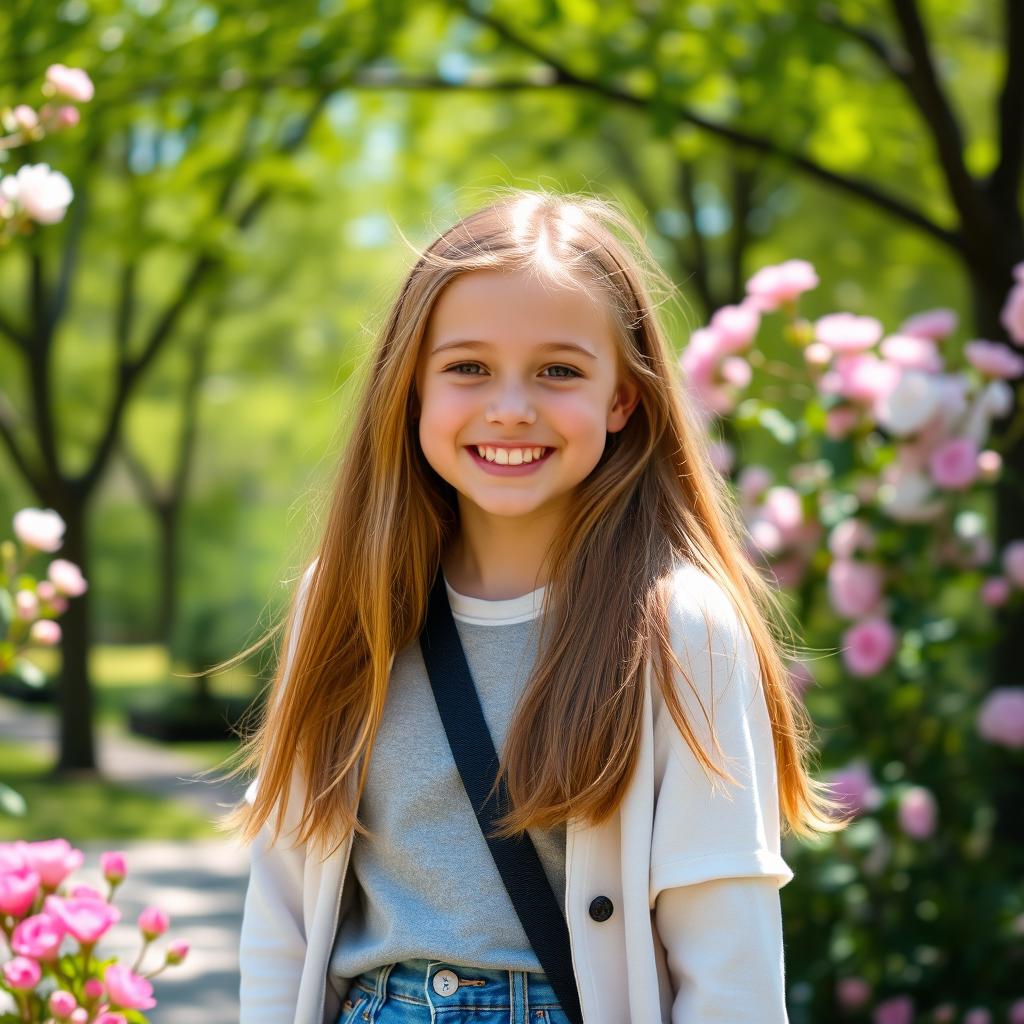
(510, 362)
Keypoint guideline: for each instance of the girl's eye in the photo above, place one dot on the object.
(571, 372)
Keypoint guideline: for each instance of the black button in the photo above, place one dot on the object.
(601, 908)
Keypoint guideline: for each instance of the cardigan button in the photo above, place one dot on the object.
(601, 908)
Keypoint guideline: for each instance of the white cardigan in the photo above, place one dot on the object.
(695, 933)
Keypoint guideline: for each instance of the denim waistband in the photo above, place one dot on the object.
(458, 986)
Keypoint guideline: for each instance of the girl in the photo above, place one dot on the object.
(523, 431)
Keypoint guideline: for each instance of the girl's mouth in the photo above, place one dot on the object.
(498, 469)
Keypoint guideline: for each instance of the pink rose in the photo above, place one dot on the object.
(153, 922)
(934, 323)
(854, 588)
(111, 1018)
(852, 993)
(53, 860)
(86, 919)
(74, 83)
(93, 988)
(1012, 314)
(995, 591)
(38, 936)
(994, 359)
(39, 529)
(954, 464)
(18, 889)
(898, 1010)
(67, 577)
(868, 646)
(736, 326)
(1013, 562)
(128, 990)
(772, 286)
(113, 865)
(86, 892)
(854, 787)
(845, 332)
(917, 812)
(22, 974)
(1001, 717)
(62, 1003)
(177, 951)
(45, 632)
(912, 353)
(850, 536)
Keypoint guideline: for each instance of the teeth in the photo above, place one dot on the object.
(509, 456)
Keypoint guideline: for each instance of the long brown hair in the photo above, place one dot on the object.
(653, 498)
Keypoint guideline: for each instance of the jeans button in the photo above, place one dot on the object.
(446, 982)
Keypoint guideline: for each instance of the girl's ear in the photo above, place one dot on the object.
(627, 396)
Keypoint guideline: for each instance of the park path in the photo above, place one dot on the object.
(201, 884)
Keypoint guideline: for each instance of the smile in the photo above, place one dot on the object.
(514, 459)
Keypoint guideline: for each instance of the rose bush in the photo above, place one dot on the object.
(878, 531)
(52, 929)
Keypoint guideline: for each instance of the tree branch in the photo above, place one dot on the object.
(894, 60)
(865, 190)
(18, 457)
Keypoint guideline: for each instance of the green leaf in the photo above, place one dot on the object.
(12, 802)
(6, 608)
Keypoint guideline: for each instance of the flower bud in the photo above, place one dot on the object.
(153, 922)
(113, 866)
(62, 1004)
(177, 951)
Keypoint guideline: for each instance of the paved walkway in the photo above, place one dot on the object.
(201, 885)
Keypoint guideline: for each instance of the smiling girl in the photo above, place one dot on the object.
(524, 441)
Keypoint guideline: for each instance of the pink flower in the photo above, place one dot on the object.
(990, 465)
(736, 371)
(852, 993)
(783, 508)
(845, 332)
(1012, 314)
(850, 536)
(86, 892)
(22, 974)
(43, 194)
(1013, 562)
(128, 990)
(954, 464)
(93, 988)
(898, 1010)
(1001, 717)
(53, 860)
(736, 326)
(1015, 1015)
(995, 591)
(86, 919)
(153, 922)
(39, 529)
(978, 1015)
(917, 812)
(79, 1016)
(752, 482)
(67, 577)
(111, 1018)
(38, 936)
(25, 117)
(177, 951)
(868, 646)
(816, 354)
(62, 1003)
(840, 420)
(18, 888)
(772, 286)
(74, 83)
(45, 632)
(933, 323)
(722, 456)
(68, 117)
(113, 865)
(994, 359)
(855, 788)
(912, 353)
(854, 588)
(944, 1013)
(26, 605)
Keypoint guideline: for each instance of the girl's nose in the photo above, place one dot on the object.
(512, 405)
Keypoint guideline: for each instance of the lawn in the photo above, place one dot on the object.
(80, 811)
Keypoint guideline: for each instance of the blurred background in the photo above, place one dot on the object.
(184, 317)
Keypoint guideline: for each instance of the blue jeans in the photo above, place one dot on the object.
(429, 991)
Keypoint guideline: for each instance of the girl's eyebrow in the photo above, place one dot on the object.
(545, 345)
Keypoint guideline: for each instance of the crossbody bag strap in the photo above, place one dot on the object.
(473, 750)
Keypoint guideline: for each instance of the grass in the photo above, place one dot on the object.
(84, 810)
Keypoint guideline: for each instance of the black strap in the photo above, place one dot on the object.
(473, 749)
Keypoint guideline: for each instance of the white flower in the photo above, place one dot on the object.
(911, 404)
(43, 194)
(38, 528)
